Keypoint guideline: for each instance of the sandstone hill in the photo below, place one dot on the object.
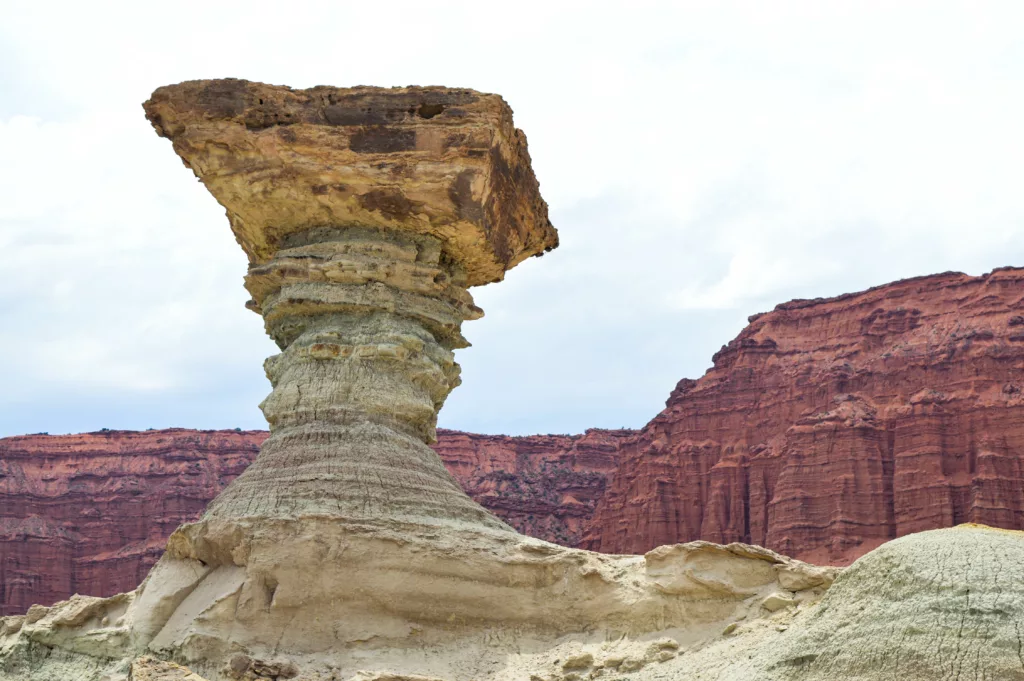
(942, 604)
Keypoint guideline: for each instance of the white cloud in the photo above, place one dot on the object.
(703, 161)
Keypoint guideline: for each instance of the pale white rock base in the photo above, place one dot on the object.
(382, 605)
(311, 598)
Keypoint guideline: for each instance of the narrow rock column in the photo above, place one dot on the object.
(367, 320)
(366, 213)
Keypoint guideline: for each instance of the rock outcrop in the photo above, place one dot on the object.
(933, 605)
(942, 604)
(90, 513)
(346, 550)
(346, 547)
(545, 486)
(366, 214)
(830, 426)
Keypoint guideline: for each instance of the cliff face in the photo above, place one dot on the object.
(830, 426)
(91, 513)
(545, 486)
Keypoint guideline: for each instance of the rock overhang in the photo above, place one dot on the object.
(434, 161)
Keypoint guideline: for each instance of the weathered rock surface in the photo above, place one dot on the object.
(91, 513)
(366, 214)
(347, 551)
(942, 604)
(149, 669)
(440, 611)
(545, 486)
(431, 161)
(932, 605)
(830, 426)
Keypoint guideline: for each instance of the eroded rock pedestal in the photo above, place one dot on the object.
(366, 214)
(346, 548)
(345, 551)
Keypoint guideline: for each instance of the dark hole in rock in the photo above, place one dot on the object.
(430, 110)
(270, 587)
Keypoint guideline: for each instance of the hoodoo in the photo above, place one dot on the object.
(346, 551)
(366, 213)
(346, 548)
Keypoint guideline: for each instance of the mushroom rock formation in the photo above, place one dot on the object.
(345, 551)
(366, 213)
(346, 548)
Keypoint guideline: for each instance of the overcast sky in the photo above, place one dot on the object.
(702, 162)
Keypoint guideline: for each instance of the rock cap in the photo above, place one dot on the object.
(429, 160)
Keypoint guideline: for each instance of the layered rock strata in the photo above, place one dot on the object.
(366, 213)
(545, 486)
(830, 426)
(345, 550)
(933, 605)
(346, 545)
(90, 513)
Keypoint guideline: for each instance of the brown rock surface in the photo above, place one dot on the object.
(436, 161)
(546, 486)
(91, 513)
(830, 426)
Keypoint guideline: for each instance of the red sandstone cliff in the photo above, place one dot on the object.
(90, 513)
(826, 428)
(546, 486)
(830, 426)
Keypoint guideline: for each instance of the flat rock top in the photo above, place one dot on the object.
(431, 160)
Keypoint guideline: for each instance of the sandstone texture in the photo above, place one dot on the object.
(90, 513)
(433, 161)
(933, 605)
(830, 426)
(942, 604)
(149, 669)
(504, 610)
(366, 213)
(545, 486)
